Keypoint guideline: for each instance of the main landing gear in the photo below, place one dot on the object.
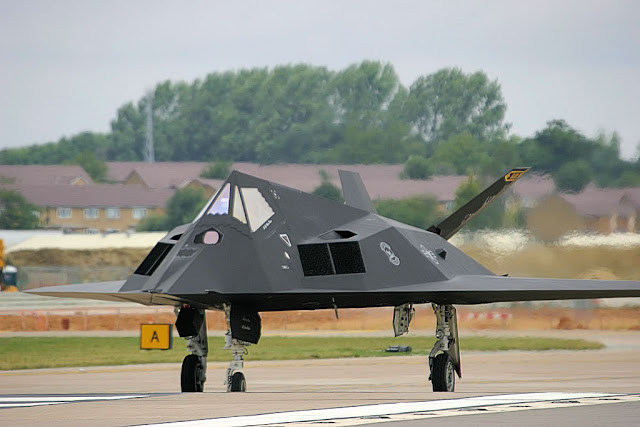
(444, 358)
(243, 329)
(192, 325)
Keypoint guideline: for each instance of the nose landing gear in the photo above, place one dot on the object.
(235, 380)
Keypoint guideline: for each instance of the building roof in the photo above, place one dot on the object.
(382, 181)
(593, 201)
(534, 187)
(104, 195)
(156, 175)
(42, 174)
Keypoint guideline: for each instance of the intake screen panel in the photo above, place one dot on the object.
(333, 258)
(315, 259)
(347, 258)
(154, 259)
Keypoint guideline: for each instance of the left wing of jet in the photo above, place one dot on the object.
(482, 289)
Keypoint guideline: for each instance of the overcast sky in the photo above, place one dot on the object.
(67, 65)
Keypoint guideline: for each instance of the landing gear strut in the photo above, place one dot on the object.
(444, 358)
(192, 324)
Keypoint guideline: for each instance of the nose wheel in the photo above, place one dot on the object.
(238, 382)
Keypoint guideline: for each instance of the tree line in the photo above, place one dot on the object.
(446, 122)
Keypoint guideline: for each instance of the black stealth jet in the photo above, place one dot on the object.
(260, 246)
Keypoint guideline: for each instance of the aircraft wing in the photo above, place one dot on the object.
(104, 291)
(481, 289)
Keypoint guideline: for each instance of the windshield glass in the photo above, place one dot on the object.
(258, 210)
(221, 205)
(238, 209)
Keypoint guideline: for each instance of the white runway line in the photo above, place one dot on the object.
(356, 413)
(26, 401)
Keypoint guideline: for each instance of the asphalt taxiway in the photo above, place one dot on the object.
(588, 387)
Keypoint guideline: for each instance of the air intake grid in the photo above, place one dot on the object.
(325, 259)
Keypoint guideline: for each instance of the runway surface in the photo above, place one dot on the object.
(556, 387)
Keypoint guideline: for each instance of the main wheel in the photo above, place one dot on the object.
(443, 376)
(238, 383)
(191, 375)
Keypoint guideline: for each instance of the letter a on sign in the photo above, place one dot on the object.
(156, 336)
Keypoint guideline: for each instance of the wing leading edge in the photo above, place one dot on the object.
(104, 291)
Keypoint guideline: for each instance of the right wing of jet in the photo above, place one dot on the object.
(105, 291)
(452, 224)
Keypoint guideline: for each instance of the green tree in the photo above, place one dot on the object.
(362, 92)
(606, 166)
(95, 167)
(421, 211)
(16, 212)
(417, 167)
(503, 155)
(184, 205)
(293, 114)
(369, 145)
(216, 170)
(628, 179)
(573, 176)
(491, 217)
(555, 145)
(462, 151)
(155, 222)
(182, 208)
(56, 152)
(127, 134)
(327, 189)
(450, 102)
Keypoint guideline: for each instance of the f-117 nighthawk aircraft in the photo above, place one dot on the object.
(259, 246)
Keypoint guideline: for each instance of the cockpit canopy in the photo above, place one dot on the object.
(246, 204)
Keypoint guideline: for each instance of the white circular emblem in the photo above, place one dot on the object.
(393, 259)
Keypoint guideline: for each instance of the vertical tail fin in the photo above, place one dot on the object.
(454, 222)
(354, 191)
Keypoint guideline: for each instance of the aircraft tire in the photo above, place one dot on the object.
(443, 377)
(190, 376)
(238, 382)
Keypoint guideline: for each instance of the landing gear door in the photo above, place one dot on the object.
(454, 347)
(402, 315)
(245, 324)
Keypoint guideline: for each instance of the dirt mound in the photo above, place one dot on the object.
(562, 262)
(599, 274)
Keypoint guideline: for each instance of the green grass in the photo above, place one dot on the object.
(51, 352)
